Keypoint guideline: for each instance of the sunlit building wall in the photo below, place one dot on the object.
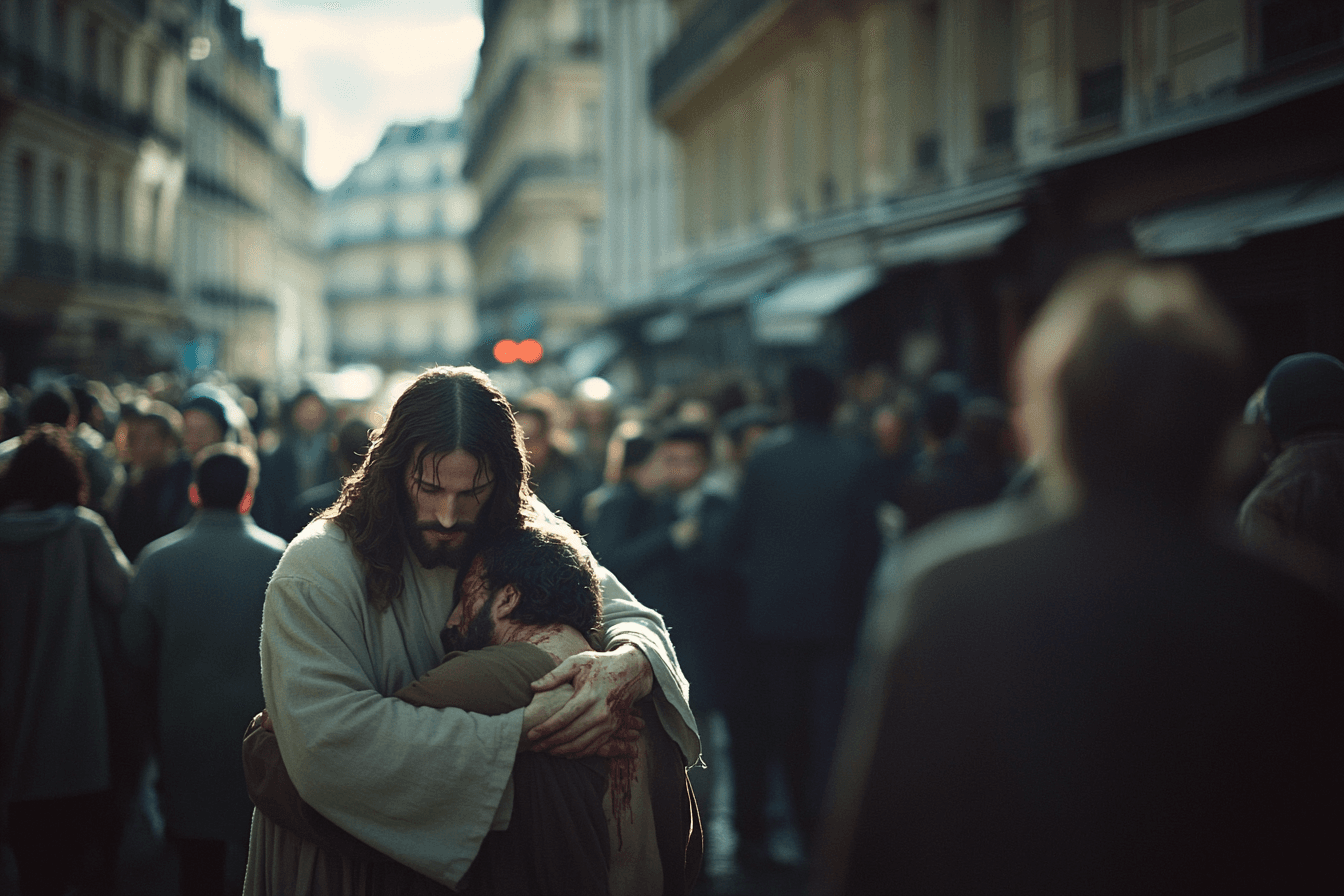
(399, 275)
(535, 122)
(923, 167)
(92, 123)
(251, 280)
(641, 228)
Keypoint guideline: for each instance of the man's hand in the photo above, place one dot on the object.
(544, 705)
(597, 719)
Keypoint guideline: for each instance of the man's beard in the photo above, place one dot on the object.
(480, 630)
(435, 555)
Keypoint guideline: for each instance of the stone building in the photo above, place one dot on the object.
(250, 275)
(399, 284)
(534, 157)
(92, 125)
(899, 182)
(154, 213)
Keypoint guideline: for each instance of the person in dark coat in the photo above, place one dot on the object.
(303, 459)
(560, 479)
(193, 620)
(803, 537)
(1115, 702)
(1295, 516)
(154, 500)
(62, 583)
(349, 445)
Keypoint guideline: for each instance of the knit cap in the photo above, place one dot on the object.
(1304, 392)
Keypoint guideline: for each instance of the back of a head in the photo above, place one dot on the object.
(224, 474)
(1151, 383)
(940, 416)
(1304, 394)
(690, 433)
(45, 471)
(812, 394)
(54, 404)
(636, 450)
(554, 574)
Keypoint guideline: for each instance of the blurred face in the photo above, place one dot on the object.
(471, 625)
(146, 448)
(198, 430)
(310, 414)
(447, 492)
(684, 463)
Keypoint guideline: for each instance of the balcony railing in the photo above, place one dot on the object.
(203, 184)
(531, 169)
(229, 298)
(703, 35)
(121, 272)
(59, 260)
(42, 83)
(203, 93)
(47, 259)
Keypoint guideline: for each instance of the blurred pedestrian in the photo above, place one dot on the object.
(1295, 516)
(1116, 701)
(803, 537)
(302, 459)
(559, 479)
(192, 621)
(55, 403)
(62, 583)
(153, 499)
(349, 445)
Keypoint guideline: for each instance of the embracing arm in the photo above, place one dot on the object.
(639, 660)
(418, 784)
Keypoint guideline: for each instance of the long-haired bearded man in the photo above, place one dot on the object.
(354, 612)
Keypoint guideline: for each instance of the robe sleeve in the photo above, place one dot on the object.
(418, 784)
(627, 621)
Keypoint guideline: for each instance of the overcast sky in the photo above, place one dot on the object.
(351, 67)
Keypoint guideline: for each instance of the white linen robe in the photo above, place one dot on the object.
(421, 785)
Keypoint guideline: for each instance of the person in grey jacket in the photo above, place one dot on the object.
(62, 582)
(193, 620)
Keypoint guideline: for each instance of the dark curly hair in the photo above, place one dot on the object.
(445, 409)
(46, 470)
(554, 573)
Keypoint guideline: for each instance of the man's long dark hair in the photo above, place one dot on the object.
(443, 410)
(554, 573)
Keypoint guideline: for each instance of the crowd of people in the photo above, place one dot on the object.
(982, 648)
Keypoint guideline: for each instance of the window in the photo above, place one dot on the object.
(91, 54)
(590, 249)
(27, 194)
(59, 200)
(91, 210)
(1097, 60)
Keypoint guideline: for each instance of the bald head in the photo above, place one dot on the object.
(1126, 382)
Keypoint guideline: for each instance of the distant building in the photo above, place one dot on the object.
(154, 213)
(899, 182)
(399, 282)
(535, 120)
(92, 125)
(249, 266)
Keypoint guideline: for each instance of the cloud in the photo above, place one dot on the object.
(351, 67)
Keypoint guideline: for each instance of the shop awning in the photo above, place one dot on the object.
(1224, 224)
(793, 314)
(959, 241)
(718, 293)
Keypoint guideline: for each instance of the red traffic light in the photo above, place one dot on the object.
(528, 351)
